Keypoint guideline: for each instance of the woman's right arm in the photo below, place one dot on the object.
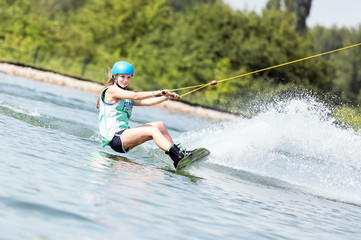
(119, 93)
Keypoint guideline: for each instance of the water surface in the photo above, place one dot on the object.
(288, 173)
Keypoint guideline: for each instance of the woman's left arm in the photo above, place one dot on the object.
(155, 100)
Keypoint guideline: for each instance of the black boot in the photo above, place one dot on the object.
(186, 152)
(177, 153)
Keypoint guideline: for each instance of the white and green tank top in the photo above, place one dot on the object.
(113, 117)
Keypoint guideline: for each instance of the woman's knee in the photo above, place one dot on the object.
(160, 125)
(156, 130)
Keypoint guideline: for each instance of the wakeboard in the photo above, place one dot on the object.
(196, 156)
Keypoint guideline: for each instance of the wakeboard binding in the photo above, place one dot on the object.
(178, 153)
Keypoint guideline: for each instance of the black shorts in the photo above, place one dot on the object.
(116, 144)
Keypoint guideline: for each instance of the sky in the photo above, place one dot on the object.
(327, 13)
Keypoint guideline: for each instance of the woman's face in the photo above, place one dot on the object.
(123, 79)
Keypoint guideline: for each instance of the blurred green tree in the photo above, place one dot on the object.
(301, 8)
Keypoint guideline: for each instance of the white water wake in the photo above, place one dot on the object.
(295, 141)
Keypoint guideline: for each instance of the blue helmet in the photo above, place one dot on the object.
(122, 67)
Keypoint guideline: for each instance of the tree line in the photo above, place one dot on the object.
(175, 43)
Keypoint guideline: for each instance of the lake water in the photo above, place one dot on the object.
(287, 173)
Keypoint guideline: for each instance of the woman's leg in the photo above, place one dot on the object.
(156, 131)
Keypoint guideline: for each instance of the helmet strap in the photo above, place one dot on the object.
(116, 82)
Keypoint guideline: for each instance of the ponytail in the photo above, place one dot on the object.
(111, 80)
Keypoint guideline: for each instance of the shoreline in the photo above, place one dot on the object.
(96, 88)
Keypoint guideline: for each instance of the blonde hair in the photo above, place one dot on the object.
(111, 80)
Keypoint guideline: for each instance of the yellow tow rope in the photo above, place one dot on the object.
(214, 82)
